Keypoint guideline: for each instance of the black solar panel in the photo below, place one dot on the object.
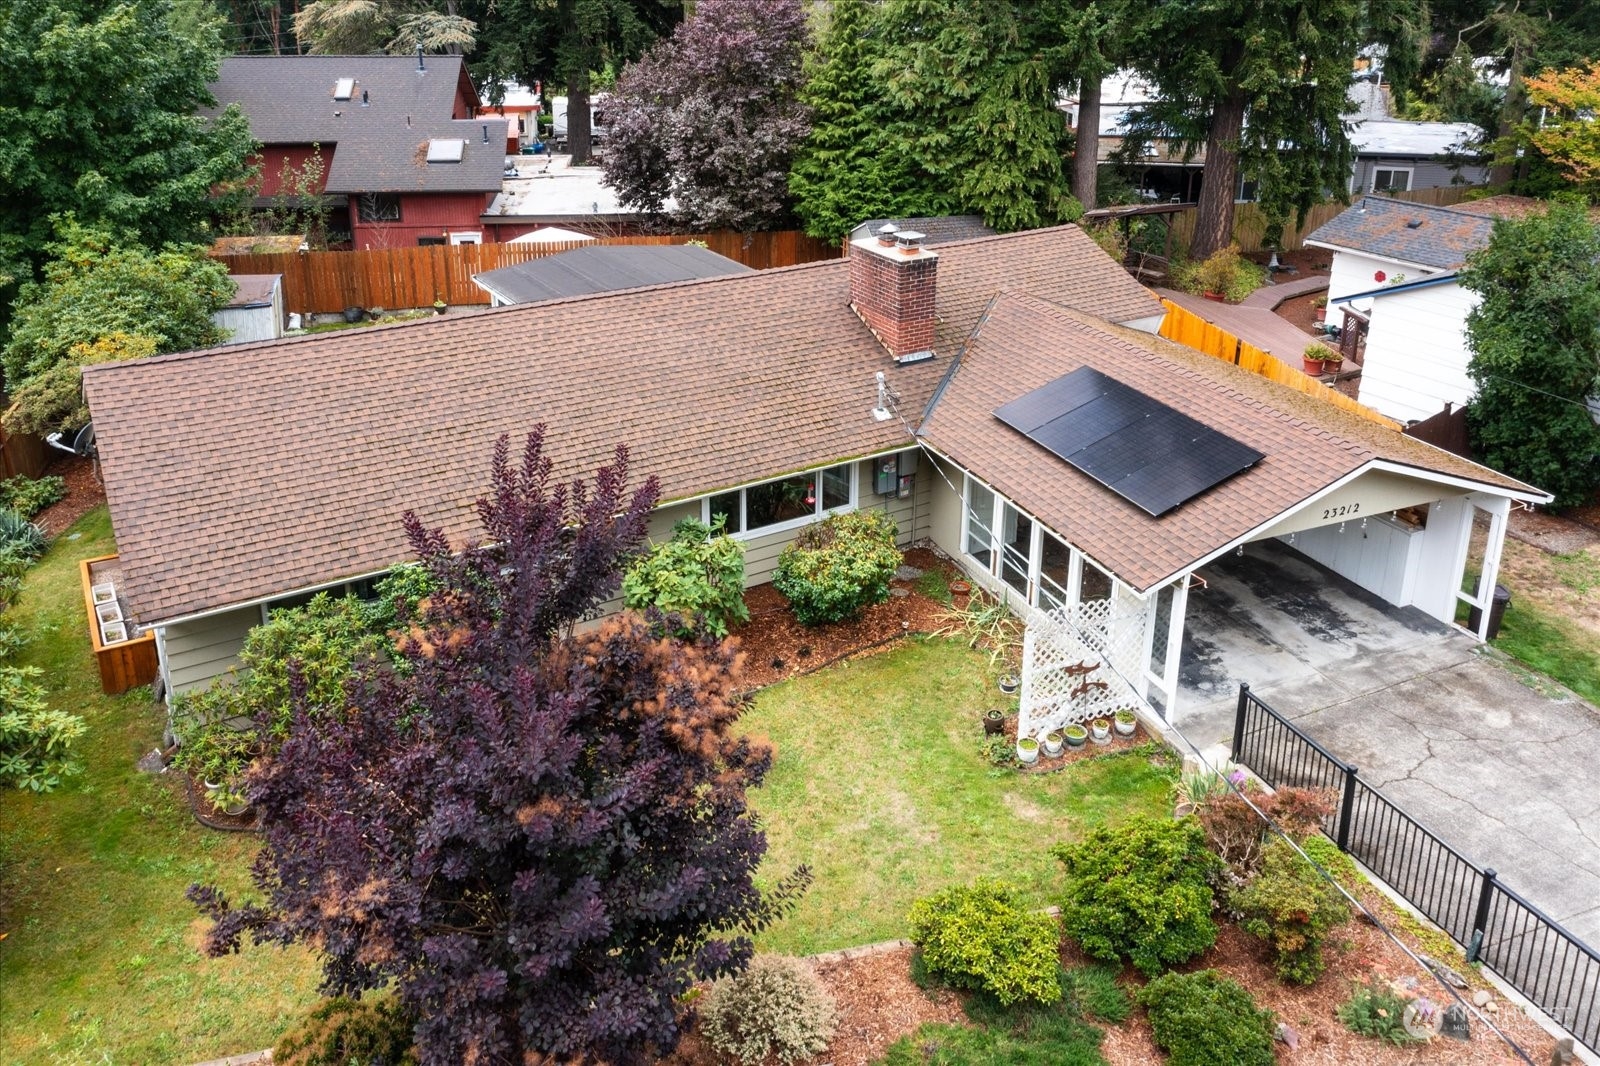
(1146, 452)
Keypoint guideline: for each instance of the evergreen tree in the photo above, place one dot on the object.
(847, 170)
(1535, 340)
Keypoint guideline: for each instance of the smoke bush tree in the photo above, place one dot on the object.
(539, 837)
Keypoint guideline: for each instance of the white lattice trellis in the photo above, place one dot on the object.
(1076, 664)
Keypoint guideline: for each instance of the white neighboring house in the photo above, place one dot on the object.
(1417, 354)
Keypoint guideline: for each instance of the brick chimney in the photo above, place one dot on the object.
(891, 287)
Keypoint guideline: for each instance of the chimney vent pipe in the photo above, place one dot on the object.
(421, 66)
(886, 234)
(485, 133)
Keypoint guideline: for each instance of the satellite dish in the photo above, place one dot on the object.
(81, 441)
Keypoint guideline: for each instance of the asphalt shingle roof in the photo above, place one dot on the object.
(243, 472)
(1383, 227)
(378, 147)
(604, 268)
(1025, 342)
(938, 229)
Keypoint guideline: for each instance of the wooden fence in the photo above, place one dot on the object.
(1447, 430)
(20, 453)
(327, 282)
(1188, 328)
(1250, 222)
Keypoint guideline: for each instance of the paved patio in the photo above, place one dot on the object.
(1463, 740)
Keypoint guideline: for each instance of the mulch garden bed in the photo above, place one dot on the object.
(84, 494)
(777, 647)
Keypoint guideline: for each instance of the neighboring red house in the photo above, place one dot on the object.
(402, 154)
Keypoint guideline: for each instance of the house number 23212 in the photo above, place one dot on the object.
(1341, 511)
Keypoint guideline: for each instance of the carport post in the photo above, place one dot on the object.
(1346, 807)
(1238, 719)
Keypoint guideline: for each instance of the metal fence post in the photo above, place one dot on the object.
(1347, 806)
(1480, 917)
(1238, 719)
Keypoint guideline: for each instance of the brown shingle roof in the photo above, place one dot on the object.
(1025, 342)
(252, 470)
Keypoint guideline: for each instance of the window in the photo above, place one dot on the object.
(979, 539)
(1391, 180)
(378, 207)
(1095, 583)
(1016, 547)
(783, 503)
(425, 242)
(446, 150)
(1055, 566)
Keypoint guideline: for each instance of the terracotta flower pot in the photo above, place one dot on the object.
(1332, 366)
(1311, 366)
(1217, 296)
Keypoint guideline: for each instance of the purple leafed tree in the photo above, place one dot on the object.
(705, 125)
(540, 837)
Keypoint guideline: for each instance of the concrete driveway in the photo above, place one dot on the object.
(1501, 764)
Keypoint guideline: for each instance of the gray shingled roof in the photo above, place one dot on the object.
(939, 229)
(587, 270)
(379, 147)
(1428, 236)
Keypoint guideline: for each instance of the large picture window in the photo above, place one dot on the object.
(787, 502)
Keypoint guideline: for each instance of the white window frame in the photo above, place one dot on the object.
(1409, 172)
(818, 511)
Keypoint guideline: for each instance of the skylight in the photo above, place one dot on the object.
(446, 150)
(344, 88)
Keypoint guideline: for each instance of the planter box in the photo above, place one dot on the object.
(104, 593)
(113, 632)
(108, 612)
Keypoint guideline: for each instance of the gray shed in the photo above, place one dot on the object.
(256, 311)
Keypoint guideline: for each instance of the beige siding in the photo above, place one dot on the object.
(944, 510)
(200, 650)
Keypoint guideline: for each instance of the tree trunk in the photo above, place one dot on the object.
(1086, 157)
(578, 139)
(1510, 114)
(1213, 223)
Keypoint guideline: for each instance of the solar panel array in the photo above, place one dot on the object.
(1153, 456)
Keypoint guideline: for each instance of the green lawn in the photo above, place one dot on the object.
(880, 788)
(100, 963)
(1551, 644)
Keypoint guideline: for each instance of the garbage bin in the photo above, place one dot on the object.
(1497, 612)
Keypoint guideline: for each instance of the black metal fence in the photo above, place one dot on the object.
(1549, 965)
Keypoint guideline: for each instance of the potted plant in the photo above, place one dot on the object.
(1009, 683)
(1333, 362)
(960, 588)
(1312, 358)
(1320, 307)
(1052, 743)
(1100, 730)
(1125, 721)
(1075, 735)
(994, 723)
(1027, 751)
(439, 305)
(228, 797)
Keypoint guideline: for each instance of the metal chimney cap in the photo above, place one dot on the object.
(886, 234)
(910, 240)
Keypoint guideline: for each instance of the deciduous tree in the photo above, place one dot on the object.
(360, 27)
(97, 118)
(1535, 341)
(705, 125)
(540, 837)
(1567, 133)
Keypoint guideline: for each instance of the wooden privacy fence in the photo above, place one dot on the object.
(327, 282)
(1250, 222)
(1190, 329)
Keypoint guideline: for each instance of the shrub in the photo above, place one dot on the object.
(982, 938)
(1326, 854)
(1293, 906)
(1140, 891)
(20, 537)
(838, 566)
(1236, 832)
(1375, 1009)
(777, 1006)
(347, 1032)
(36, 741)
(699, 573)
(28, 496)
(1202, 1019)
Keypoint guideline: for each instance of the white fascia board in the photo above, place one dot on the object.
(1375, 255)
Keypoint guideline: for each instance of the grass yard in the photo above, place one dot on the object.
(99, 961)
(880, 788)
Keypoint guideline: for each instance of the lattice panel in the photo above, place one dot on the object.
(1076, 665)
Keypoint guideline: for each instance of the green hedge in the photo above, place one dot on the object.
(839, 566)
(982, 938)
